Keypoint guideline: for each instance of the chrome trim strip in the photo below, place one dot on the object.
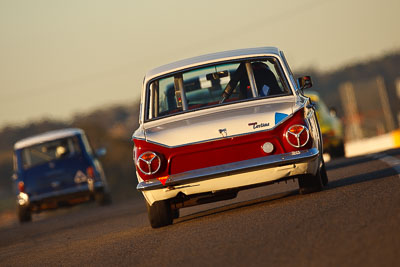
(138, 138)
(227, 169)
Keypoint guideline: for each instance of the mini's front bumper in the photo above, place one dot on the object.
(85, 189)
(233, 175)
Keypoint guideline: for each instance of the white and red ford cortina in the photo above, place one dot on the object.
(216, 124)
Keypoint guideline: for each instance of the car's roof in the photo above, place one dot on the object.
(210, 58)
(47, 136)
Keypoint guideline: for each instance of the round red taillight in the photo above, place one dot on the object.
(21, 186)
(297, 135)
(90, 172)
(149, 163)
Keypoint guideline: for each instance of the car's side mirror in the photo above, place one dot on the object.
(101, 152)
(304, 82)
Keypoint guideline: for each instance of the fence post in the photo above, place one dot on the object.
(387, 113)
(353, 122)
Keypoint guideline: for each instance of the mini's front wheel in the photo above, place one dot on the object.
(103, 198)
(175, 213)
(160, 213)
(24, 214)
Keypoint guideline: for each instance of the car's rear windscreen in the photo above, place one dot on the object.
(214, 85)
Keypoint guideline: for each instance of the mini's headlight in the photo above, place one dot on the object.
(23, 199)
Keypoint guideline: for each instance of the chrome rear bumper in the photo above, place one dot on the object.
(231, 168)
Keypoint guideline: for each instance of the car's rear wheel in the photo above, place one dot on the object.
(324, 175)
(309, 183)
(24, 214)
(160, 213)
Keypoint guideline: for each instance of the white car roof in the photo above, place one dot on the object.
(210, 58)
(47, 136)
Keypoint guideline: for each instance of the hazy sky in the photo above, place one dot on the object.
(60, 57)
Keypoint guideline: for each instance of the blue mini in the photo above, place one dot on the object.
(57, 168)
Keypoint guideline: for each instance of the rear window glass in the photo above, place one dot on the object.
(49, 151)
(215, 85)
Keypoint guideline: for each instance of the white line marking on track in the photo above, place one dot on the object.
(393, 162)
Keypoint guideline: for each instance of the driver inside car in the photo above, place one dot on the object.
(265, 80)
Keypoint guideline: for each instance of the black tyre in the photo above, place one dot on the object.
(310, 183)
(24, 214)
(160, 214)
(175, 213)
(103, 198)
(324, 175)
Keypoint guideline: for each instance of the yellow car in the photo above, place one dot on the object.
(331, 127)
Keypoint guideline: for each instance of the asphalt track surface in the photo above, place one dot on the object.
(353, 222)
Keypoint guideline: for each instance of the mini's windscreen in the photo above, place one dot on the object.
(49, 151)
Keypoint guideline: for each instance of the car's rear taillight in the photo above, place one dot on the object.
(297, 135)
(21, 186)
(90, 172)
(149, 163)
(298, 132)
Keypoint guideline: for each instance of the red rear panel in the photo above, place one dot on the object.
(190, 157)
